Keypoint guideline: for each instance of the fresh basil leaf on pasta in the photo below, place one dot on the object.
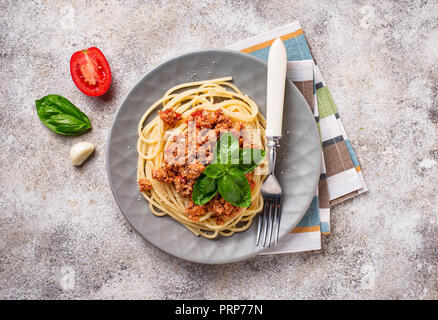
(205, 188)
(227, 150)
(235, 189)
(215, 170)
(249, 159)
(61, 116)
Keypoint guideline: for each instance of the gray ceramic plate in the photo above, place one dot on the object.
(298, 160)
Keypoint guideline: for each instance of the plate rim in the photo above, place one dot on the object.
(138, 82)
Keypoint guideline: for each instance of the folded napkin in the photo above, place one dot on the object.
(341, 176)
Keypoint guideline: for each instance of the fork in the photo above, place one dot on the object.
(269, 218)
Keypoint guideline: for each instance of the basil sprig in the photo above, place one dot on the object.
(204, 190)
(234, 188)
(227, 150)
(61, 116)
(226, 174)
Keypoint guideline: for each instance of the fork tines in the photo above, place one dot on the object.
(269, 222)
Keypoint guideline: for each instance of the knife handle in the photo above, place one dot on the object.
(277, 64)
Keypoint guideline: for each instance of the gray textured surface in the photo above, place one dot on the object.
(61, 234)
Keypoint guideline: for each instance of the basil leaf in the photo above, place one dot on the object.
(215, 170)
(249, 159)
(234, 188)
(227, 150)
(61, 116)
(205, 188)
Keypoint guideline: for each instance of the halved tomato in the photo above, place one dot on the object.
(90, 71)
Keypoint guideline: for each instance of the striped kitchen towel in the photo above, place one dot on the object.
(341, 175)
(344, 174)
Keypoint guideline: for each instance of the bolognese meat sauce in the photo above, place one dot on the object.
(144, 184)
(198, 146)
(169, 116)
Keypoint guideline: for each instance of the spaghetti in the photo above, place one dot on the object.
(210, 98)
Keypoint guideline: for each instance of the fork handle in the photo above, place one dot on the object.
(272, 143)
(277, 64)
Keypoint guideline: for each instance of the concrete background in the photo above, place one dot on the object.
(61, 233)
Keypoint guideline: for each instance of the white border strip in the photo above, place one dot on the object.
(289, 28)
(343, 183)
(297, 242)
(300, 70)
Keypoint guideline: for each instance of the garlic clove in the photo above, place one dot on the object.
(81, 151)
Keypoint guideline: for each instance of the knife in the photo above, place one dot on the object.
(269, 220)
